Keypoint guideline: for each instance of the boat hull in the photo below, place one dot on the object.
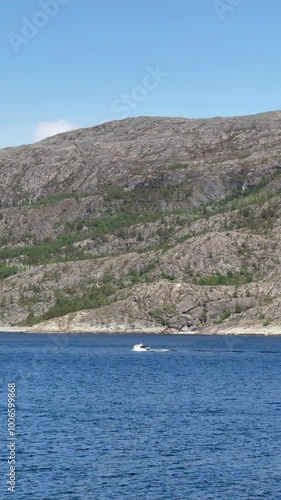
(140, 348)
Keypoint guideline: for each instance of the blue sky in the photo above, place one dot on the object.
(77, 63)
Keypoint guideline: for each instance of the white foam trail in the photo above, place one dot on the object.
(159, 350)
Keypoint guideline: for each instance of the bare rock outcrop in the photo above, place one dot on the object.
(147, 224)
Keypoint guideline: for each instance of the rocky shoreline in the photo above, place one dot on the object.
(54, 327)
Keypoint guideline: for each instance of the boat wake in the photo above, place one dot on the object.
(159, 350)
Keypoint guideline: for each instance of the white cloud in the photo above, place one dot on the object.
(47, 129)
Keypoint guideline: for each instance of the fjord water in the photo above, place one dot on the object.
(96, 420)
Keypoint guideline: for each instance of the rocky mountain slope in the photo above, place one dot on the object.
(147, 224)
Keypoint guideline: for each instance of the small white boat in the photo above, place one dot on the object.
(141, 347)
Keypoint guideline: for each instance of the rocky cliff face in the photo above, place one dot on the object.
(153, 224)
(220, 154)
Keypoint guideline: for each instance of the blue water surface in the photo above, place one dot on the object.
(96, 420)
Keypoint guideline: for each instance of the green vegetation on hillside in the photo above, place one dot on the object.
(97, 295)
(6, 271)
(140, 207)
(230, 278)
(57, 197)
(62, 249)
